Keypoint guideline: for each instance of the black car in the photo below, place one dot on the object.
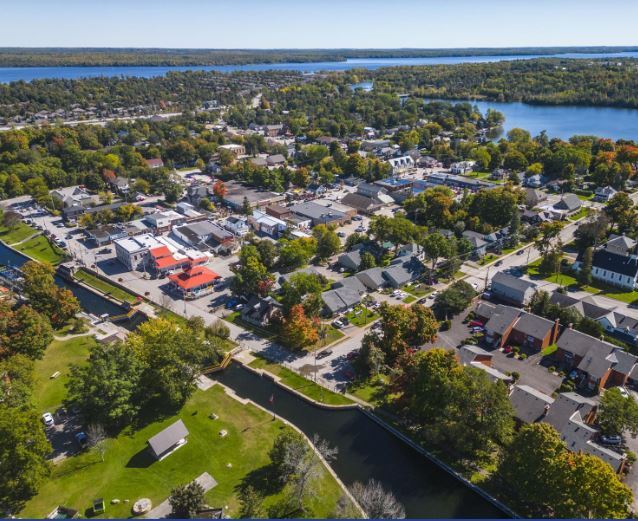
(324, 353)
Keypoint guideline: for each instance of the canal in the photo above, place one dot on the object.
(367, 450)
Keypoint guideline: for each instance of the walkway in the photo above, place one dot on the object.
(163, 510)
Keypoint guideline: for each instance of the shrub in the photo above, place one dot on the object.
(445, 325)
(551, 369)
(566, 386)
(516, 376)
(516, 350)
(631, 457)
(523, 356)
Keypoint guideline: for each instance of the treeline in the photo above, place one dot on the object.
(543, 81)
(92, 57)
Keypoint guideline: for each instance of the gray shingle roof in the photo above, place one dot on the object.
(371, 278)
(501, 319)
(165, 439)
(530, 405)
(509, 281)
(533, 325)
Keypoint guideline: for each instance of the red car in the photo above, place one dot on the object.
(507, 349)
(476, 323)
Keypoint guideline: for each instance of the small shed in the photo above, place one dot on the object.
(168, 440)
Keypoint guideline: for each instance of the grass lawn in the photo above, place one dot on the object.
(16, 234)
(418, 290)
(409, 299)
(364, 317)
(105, 287)
(129, 472)
(371, 390)
(583, 212)
(586, 197)
(332, 335)
(301, 384)
(235, 318)
(550, 349)
(48, 394)
(42, 250)
(490, 257)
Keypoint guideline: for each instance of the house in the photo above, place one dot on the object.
(478, 242)
(398, 189)
(534, 181)
(319, 214)
(401, 164)
(534, 332)
(530, 405)
(258, 162)
(352, 283)
(598, 363)
(512, 289)
(237, 193)
(604, 194)
(236, 225)
(400, 271)
(339, 300)
(194, 282)
(276, 160)
(615, 263)
(267, 224)
(372, 278)
(350, 261)
(500, 324)
(411, 250)
(196, 193)
(572, 416)
(533, 197)
(188, 211)
(273, 130)
(206, 235)
(121, 185)
(233, 148)
(374, 191)
(362, 203)
(154, 163)
(106, 234)
(169, 440)
(499, 174)
(568, 205)
(74, 200)
(462, 167)
(259, 311)
(277, 211)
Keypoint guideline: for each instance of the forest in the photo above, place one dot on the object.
(541, 81)
(95, 57)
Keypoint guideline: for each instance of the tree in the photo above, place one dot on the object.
(219, 189)
(305, 289)
(621, 212)
(11, 219)
(288, 448)
(515, 229)
(617, 413)
(295, 254)
(107, 389)
(376, 501)
(424, 327)
(454, 299)
(97, 438)
(171, 356)
(24, 331)
(267, 252)
(367, 261)
(584, 273)
(246, 208)
(435, 246)
(328, 243)
(250, 273)
(23, 451)
(251, 503)
(297, 330)
(187, 500)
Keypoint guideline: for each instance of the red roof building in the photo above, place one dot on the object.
(194, 282)
(154, 163)
(163, 260)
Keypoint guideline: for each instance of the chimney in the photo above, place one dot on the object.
(555, 331)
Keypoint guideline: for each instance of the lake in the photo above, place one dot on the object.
(564, 121)
(367, 450)
(9, 74)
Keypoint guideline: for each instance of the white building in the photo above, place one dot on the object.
(401, 164)
(237, 225)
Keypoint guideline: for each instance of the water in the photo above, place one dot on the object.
(564, 121)
(9, 74)
(89, 301)
(366, 450)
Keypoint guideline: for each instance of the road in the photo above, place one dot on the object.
(97, 121)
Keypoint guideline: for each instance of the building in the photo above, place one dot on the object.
(604, 194)
(372, 278)
(569, 205)
(276, 160)
(279, 212)
(339, 300)
(233, 148)
(74, 200)
(205, 236)
(500, 324)
(133, 251)
(530, 405)
(106, 234)
(237, 193)
(319, 214)
(259, 311)
(350, 260)
(478, 243)
(352, 283)
(398, 189)
(402, 271)
(154, 163)
(162, 260)
(533, 197)
(401, 164)
(168, 441)
(194, 282)
(237, 225)
(512, 289)
(456, 181)
(534, 332)
(164, 221)
(334, 205)
(478, 358)
(267, 224)
(462, 167)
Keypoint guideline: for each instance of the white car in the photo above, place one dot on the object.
(47, 419)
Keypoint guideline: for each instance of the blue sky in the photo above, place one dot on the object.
(321, 23)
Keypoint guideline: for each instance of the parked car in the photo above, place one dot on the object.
(357, 218)
(520, 252)
(611, 439)
(477, 329)
(475, 323)
(231, 303)
(337, 323)
(82, 439)
(499, 263)
(324, 353)
(47, 419)
(341, 234)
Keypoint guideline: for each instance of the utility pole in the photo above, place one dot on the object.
(487, 278)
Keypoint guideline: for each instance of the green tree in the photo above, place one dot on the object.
(584, 273)
(367, 261)
(454, 299)
(187, 500)
(23, 452)
(328, 243)
(246, 208)
(107, 389)
(250, 273)
(621, 212)
(296, 253)
(24, 331)
(435, 246)
(251, 503)
(617, 413)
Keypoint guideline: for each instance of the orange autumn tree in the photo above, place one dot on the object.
(219, 189)
(297, 330)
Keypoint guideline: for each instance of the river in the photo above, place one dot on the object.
(367, 450)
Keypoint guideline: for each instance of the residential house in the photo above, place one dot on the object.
(478, 242)
(74, 200)
(604, 194)
(276, 160)
(352, 283)
(233, 148)
(267, 224)
(169, 440)
(372, 278)
(533, 197)
(196, 193)
(350, 260)
(194, 282)
(362, 203)
(188, 211)
(106, 234)
(121, 185)
(401, 164)
(478, 358)
(511, 289)
(339, 300)
(402, 271)
(154, 163)
(411, 250)
(568, 205)
(462, 167)
(500, 324)
(237, 225)
(534, 332)
(273, 130)
(530, 405)
(260, 311)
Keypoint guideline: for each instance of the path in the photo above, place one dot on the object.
(163, 510)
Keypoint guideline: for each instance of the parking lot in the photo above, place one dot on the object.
(62, 435)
